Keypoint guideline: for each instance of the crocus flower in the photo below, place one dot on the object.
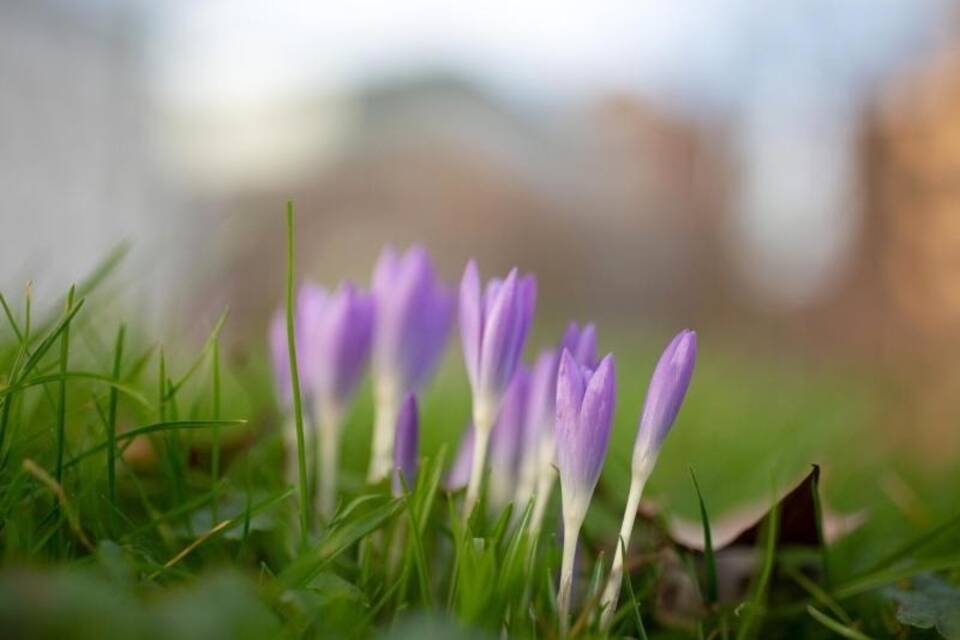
(665, 394)
(337, 331)
(414, 314)
(508, 440)
(537, 468)
(407, 441)
(493, 329)
(585, 403)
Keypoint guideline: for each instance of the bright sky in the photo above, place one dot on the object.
(223, 52)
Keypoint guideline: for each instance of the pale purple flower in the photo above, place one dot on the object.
(414, 314)
(666, 391)
(407, 445)
(337, 331)
(537, 474)
(493, 328)
(413, 317)
(585, 403)
(665, 394)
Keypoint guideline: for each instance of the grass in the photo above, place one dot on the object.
(141, 495)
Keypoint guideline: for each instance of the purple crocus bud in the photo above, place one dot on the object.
(459, 474)
(508, 439)
(337, 331)
(414, 315)
(665, 394)
(668, 386)
(537, 475)
(493, 329)
(585, 402)
(407, 440)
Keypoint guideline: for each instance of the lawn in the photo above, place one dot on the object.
(142, 495)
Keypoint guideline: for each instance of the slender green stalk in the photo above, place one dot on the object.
(215, 455)
(295, 386)
(112, 422)
(62, 404)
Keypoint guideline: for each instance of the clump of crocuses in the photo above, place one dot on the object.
(585, 403)
(553, 417)
(413, 316)
(668, 386)
(493, 328)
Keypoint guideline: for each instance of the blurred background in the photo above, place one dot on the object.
(784, 176)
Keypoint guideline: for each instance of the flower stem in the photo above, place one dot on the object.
(482, 426)
(384, 427)
(571, 533)
(330, 423)
(611, 594)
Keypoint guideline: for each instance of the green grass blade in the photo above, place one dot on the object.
(215, 454)
(710, 562)
(62, 398)
(156, 427)
(837, 627)
(295, 385)
(753, 612)
(112, 420)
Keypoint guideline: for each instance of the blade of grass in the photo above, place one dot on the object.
(112, 422)
(220, 527)
(215, 454)
(755, 606)
(710, 563)
(818, 593)
(835, 626)
(295, 385)
(156, 427)
(62, 403)
(63, 376)
(634, 605)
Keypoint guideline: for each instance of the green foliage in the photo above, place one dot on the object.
(141, 495)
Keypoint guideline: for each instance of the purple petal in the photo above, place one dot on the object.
(596, 418)
(668, 387)
(497, 361)
(471, 321)
(343, 346)
(407, 445)
(570, 390)
(311, 305)
(586, 352)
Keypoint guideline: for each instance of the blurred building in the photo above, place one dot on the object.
(614, 192)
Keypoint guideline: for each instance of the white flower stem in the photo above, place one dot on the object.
(330, 425)
(384, 433)
(611, 594)
(482, 426)
(571, 533)
(541, 499)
